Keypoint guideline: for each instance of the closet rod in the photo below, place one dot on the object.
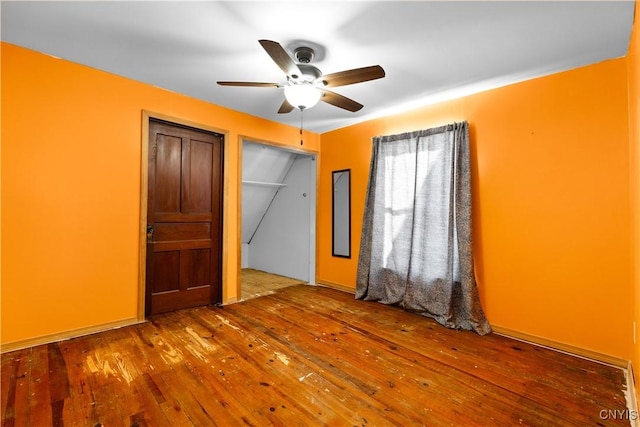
(264, 184)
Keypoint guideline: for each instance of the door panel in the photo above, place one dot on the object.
(201, 164)
(168, 232)
(168, 170)
(167, 271)
(184, 218)
(196, 267)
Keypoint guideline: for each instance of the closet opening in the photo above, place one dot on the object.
(278, 218)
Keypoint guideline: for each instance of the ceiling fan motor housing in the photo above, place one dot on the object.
(303, 54)
(309, 73)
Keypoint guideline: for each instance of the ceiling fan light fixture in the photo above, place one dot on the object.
(303, 95)
(305, 82)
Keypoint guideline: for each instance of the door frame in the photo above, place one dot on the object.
(313, 212)
(144, 188)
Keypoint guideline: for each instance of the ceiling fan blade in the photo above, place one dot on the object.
(340, 101)
(285, 107)
(249, 84)
(281, 57)
(357, 75)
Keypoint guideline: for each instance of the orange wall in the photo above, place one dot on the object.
(71, 147)
(551, 206)
(633, 65)
(551, 202)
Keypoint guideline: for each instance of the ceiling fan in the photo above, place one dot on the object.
(306, 85)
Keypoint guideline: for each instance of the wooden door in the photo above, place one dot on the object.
(184, 218)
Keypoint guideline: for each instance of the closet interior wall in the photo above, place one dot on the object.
(278, 211)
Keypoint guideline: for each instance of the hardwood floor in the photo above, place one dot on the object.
(256, 283)
(303, 355)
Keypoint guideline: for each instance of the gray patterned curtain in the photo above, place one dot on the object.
(416, 234)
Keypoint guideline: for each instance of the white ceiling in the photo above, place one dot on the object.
(429, 50)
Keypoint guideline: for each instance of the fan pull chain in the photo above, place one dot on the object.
(301, 123)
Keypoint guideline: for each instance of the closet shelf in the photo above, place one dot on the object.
(264, 184)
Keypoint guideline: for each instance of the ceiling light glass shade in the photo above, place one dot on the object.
(302, 95)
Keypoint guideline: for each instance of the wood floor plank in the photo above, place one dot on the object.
(39, 388)
(22, 405)
(58, 384)
(338, 382)
(494, 359)
(386, 374)
(162, 382)
(256, 283)
(153, 407)
(302, 356)
(260, 361)
(244, 375)
(529, 369)
(103, 379)
(487, 369)
(7, 382)
(198, 362)
(14, 370)
(281, 369)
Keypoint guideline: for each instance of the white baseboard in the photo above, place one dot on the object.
(632, 397)
(337, 286)
(565, 348)
(62, 336)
